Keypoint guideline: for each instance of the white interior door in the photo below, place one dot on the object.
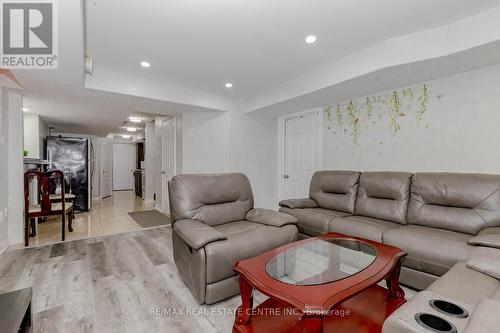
(168, 159)
(302, 150)
(106, 167)
(123, 166)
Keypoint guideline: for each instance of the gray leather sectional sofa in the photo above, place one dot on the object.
(214, 226)
(448, 223)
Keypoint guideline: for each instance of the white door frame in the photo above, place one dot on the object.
(104, 141)
(159, 206)
(281, 146)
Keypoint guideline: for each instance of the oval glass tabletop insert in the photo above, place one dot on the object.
(321, 261)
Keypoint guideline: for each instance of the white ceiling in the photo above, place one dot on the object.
(195, 46)
(79, 110)
(256, 44)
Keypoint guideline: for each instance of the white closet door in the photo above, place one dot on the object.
(302, 155)
(123, 166)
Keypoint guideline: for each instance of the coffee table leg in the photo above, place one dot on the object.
(245, 309)
(312, 324)
(392, 280)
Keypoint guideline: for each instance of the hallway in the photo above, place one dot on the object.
(107, 217)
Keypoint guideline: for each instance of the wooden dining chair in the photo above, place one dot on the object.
(46, 185)
(69, 197)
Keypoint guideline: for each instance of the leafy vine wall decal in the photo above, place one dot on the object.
(340, 119)
(351, 116)
(396, 112)
(354, 122)
(423, 100)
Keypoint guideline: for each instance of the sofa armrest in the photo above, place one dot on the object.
(490, 231)
(270, 217)
(197, 234)
(484, 318)
(485, 260)
(491, 240)
(298, 203)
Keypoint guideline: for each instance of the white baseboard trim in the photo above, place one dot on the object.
(3, 245)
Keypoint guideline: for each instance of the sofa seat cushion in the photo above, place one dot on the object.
(465, 284)
(244, 240)
(313, 221)
(360, 226)
(429, 250)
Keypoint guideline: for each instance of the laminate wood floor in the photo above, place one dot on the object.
(119, 283)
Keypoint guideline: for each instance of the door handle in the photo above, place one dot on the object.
(286, 176)
(163, 172)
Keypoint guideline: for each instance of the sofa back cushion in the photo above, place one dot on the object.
(336, 190)
(384, 195)
(210, 198)
(459, 202)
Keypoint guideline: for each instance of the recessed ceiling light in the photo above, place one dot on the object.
(126, 136)
(311, 39)
(131, 129)
(228, 85)
(135, 119)
(25, 109)
(145, 64)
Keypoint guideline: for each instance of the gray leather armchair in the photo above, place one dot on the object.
(214, 226)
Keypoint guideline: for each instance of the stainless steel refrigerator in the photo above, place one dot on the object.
(73, 157)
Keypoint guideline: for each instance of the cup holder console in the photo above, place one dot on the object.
(448, 308)
(434, 324)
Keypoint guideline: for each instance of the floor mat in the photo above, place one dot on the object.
(150, 218)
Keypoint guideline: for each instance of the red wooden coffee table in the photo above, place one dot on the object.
(321, 284)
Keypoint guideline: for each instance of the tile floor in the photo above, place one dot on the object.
(107, 217)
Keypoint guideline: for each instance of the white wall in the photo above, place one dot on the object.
(4, 172)
(31, 137)
(14, 102)
(35, 130)
(233, 142)
(458, 133)
(206, 142)
(11, 168)
(252, 150)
